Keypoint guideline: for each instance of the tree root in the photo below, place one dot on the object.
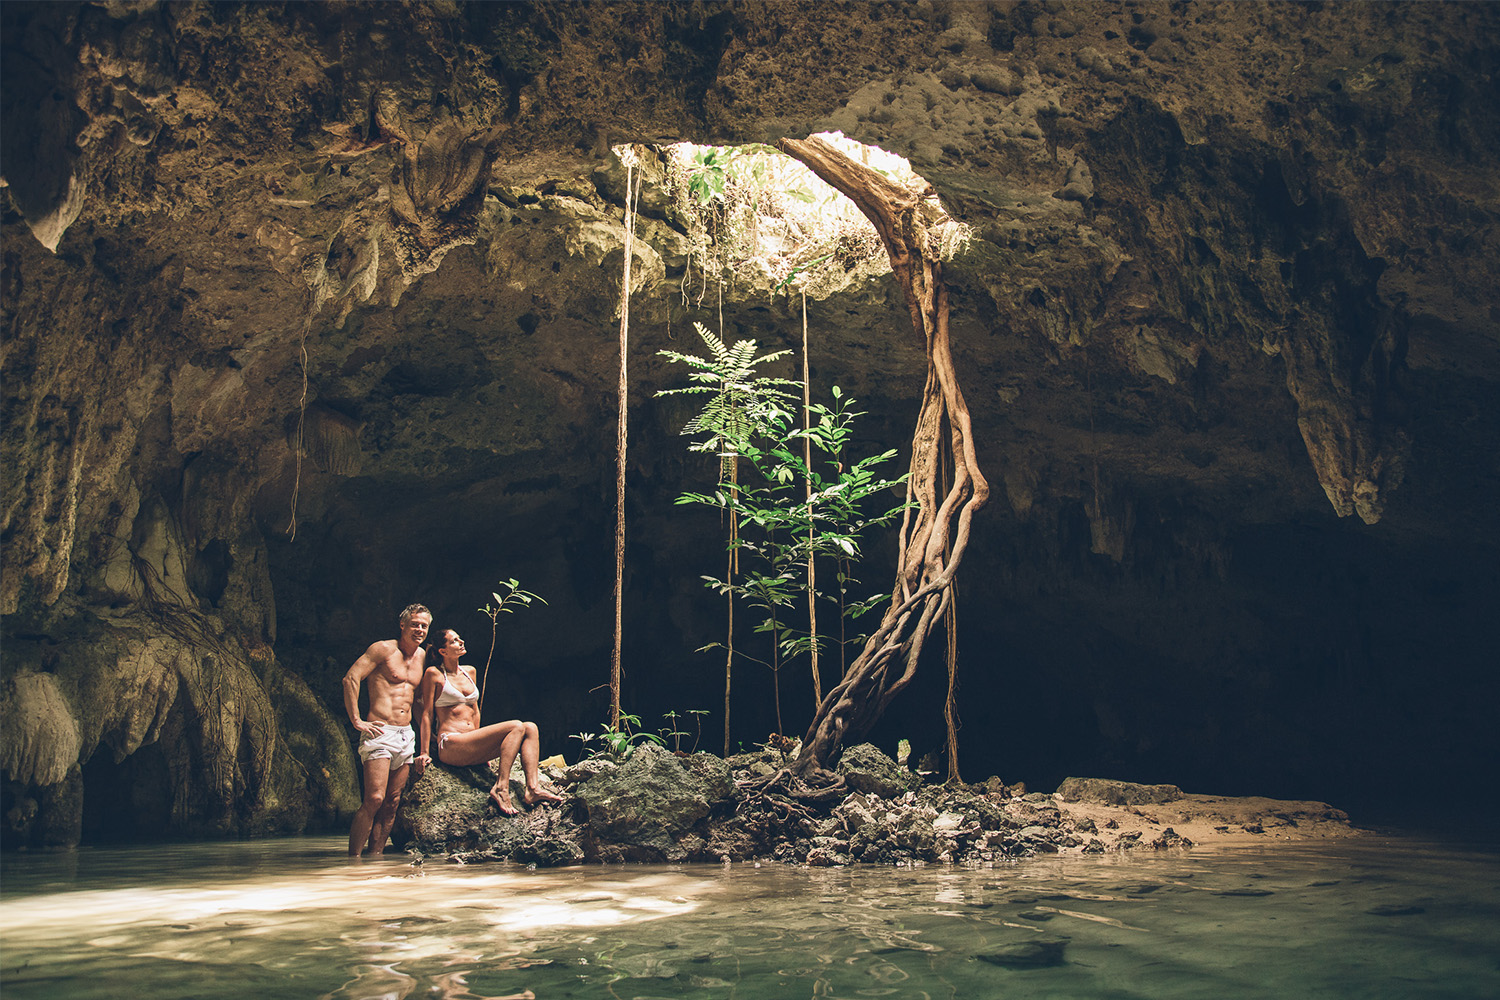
(944, 482)
(819, 786)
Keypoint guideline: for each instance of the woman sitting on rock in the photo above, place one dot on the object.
(450, 691)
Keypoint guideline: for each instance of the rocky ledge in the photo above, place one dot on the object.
(661, 806)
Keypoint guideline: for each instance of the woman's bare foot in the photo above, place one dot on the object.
(539, 794)
(501, 798)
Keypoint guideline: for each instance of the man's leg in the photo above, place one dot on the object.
(386, 816)
(376, 775)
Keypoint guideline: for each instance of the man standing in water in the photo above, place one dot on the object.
(387, 745)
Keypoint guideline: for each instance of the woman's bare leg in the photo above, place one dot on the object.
(500, 740)
(531, 750)
(479, 746)
(500, 794)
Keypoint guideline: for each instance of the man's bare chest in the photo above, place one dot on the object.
(398, 671)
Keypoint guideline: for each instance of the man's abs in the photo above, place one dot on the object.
(390, 703)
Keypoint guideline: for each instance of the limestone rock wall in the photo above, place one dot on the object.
(133, 707)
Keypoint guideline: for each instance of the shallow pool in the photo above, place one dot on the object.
(1368, 918)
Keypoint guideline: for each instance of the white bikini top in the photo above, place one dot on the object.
(451, 695)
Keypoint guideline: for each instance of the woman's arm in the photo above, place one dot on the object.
(426, 695)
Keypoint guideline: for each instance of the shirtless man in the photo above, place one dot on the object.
(387, 745)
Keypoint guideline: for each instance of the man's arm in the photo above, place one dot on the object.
(353, 678)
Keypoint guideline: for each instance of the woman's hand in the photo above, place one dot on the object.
(422, 763)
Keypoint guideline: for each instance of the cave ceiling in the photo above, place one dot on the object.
(1232, 278)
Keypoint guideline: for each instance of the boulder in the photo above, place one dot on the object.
(865, 769)
(647, 808)
(447, 812)
(1106, 792)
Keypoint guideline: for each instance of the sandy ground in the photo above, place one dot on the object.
(1213, 819)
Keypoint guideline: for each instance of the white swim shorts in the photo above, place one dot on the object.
(399, 743)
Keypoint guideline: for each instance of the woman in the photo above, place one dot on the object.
(450, 690)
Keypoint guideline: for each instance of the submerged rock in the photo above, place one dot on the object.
(1027, 954)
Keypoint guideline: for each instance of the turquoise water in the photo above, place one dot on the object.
(1375, 917)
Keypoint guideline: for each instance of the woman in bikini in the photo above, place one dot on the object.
(450, 691)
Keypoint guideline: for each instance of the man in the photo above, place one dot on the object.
(387, 746)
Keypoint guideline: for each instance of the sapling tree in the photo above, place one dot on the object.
(828, 520)
(783, 530)
(514, 598)
(839, 500)
(738, 405)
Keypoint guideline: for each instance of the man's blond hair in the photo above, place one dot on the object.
(413, 609)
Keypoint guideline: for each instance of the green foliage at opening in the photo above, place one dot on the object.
(758, 219)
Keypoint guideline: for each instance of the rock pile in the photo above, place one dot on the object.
(658, 806)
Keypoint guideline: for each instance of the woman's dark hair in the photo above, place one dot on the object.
(438, 638)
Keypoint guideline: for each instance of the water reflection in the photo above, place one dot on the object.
(292, 918)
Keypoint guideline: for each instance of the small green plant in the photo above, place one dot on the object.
(671, 732)
(616, 743)
(514, 597)
(698, 715)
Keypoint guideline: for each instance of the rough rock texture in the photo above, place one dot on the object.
(649, 808)
(865, 769)
(310, 312)
(659, 806)
(1115, 793)
(447, 812)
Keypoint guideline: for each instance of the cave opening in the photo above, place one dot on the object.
(760, 222)
(127, 800)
